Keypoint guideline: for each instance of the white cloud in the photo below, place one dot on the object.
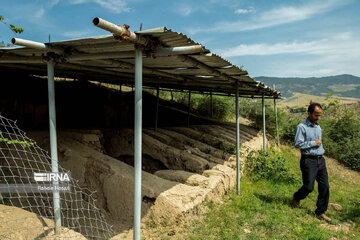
(338, 54)
(39, 13)
(116, 6)
(277, 48)
(275, 17)
(76, 34)
(328, 47)
(41, 10)
(244, 11)
(184, 10)
(53, 3)
(77, 1)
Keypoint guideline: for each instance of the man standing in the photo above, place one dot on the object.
(312, 163)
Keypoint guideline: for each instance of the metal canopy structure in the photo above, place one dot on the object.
(159, 58)
(106, 59)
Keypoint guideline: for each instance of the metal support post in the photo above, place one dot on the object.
(276, 121)
(157, 108)
(189, 105)
(138, 143)
(53, 144)
(237, 141)
(211, 105)
(172, 95)
(264, 126)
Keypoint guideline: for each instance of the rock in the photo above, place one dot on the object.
(335, 206)
(20, 224)
(171, 233)
(336, 228)
(247, 231)
(181, 176)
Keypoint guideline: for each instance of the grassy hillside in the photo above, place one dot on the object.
(341, 85)
(303, 99)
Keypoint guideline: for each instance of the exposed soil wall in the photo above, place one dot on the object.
(182, 166)
(81, 104)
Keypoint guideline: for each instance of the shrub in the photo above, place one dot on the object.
(223, 107)
(270, 165)
(341, 138)
(287, 128)
(286, 122)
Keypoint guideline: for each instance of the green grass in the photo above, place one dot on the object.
(343, 87)
(263, 211)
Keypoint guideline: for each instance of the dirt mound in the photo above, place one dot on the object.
(16, 223)
(181, 168)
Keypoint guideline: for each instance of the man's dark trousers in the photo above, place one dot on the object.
(314, 168)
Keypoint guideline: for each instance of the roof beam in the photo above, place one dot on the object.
(119, 63)
(211, 71)
(20, 59)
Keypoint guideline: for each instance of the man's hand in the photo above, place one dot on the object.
(318, 142)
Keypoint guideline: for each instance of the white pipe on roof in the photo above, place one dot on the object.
(36, 45)
(28, 43)
(126, 34)
(118, 30)
(179, 50)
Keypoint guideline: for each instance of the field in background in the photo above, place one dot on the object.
(302, 100)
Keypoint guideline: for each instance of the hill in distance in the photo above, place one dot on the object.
(341, 85)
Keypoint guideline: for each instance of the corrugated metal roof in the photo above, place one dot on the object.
(199, 72)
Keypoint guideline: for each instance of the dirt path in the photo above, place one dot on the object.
(335, 168)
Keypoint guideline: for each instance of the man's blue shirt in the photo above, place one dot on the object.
(305, 136)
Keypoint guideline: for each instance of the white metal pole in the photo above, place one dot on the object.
(211, 105)
(237, 141)
(157, 108)
(276, 120)
(264, 127)
(138, 143)
(53, 144)
(189, 105)
(277, 124)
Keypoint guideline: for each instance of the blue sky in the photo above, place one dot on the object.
(299, 38)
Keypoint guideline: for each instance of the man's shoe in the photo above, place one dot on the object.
(324, 217)
(295, 203)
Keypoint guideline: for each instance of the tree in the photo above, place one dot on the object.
(12, 27)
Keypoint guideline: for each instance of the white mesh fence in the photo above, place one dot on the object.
(25, 211)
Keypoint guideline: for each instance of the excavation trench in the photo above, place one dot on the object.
(182, 166)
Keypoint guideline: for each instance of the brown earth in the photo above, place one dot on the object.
(19, 224)
(182, 167)
(179, 171)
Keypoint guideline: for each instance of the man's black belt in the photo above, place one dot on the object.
(318, 157)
